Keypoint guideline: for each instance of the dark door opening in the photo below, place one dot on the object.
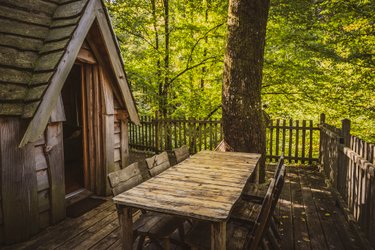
(73, 138)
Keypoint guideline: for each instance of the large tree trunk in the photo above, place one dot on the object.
(244, 128)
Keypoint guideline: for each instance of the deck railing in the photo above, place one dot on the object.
(299, 140)
(349, 163)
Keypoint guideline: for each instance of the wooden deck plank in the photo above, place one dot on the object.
(83, 237)
(58, 234)
(285, 216)
(337, 231)
(301, 234)
(108, 241)
(305, 190)
(316, 233)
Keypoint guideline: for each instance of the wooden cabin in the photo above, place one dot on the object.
(64, 108)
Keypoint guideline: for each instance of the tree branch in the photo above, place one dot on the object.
(208, 59)
(200, 39)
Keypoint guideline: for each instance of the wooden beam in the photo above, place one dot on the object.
(108, 127)
(116, 62)
(58, 113)
(86, 56)
(55, 158)
(124, 144)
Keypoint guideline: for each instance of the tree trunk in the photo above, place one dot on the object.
(243, 124)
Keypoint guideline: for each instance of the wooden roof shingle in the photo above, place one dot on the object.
(35, 42)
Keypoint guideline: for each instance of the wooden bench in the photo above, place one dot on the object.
(158, 163)
(255, 192)
(199, 237)
(181, 153)
(154, 225)
(249, 230)
(245, 211)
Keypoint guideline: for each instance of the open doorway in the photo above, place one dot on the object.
(73, 136)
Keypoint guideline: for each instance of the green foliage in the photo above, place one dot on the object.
(194, 73)
(319, 58)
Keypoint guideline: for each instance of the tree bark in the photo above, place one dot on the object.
(243, 123)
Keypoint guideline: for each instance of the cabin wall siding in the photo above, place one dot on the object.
(49, 171)
(121, 143)
(117, 142)
(19, 189)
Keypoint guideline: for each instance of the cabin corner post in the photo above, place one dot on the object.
(124, 143)
(18, 182)
(108, 149)
(55, 158)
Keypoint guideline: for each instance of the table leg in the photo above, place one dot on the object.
(218, 235)
(126, 225)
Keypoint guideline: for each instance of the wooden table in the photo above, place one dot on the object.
(204, 187)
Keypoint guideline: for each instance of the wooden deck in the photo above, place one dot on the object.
(310, 218)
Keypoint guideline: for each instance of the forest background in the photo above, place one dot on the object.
(319, 58)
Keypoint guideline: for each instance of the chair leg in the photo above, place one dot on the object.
(265, 244)
(272, 240)
(181, 232)
(140, 242)
(276, 219)
(275, 230)
(167, 244)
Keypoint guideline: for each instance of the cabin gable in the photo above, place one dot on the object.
(60, 66)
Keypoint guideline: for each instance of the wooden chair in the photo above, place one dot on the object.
(240, 235)
(158, 163)
(255, 192)
(181, 153)
(154, 225)
(244, 211)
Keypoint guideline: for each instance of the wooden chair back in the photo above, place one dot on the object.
(279, 184)
(262, 222)
(223, 147)
(279, 165)
(125, 179)
(181, 153)
(268, 207)
(158, 163)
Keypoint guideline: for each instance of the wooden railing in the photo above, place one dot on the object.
(348, 162)
(299, 140)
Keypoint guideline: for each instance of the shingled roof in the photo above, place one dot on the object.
(35, 36)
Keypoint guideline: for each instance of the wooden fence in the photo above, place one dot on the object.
(299, 140)
(349, 163)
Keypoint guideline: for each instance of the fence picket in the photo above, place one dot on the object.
(157, 135)
(311, 141)
(296, 144)
(271, 140)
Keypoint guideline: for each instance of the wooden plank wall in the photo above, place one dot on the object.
(54, 152)
(41, 168)
(19, 189)
(108, 127)
(117, 137)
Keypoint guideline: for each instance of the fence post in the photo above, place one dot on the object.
(343, 160)
(321, 140)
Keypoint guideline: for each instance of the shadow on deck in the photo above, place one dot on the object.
(310, 218)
